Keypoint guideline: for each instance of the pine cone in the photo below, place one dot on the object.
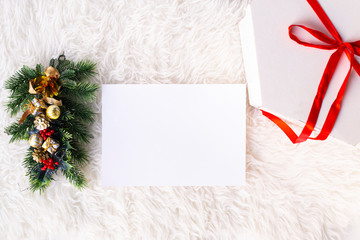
(39, 154)
(41, 122)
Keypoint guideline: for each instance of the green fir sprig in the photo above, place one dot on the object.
(71, 129)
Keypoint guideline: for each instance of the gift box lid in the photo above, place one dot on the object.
(283, 76)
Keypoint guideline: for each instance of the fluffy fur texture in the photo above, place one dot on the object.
(306, 191)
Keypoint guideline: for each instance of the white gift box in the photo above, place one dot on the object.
(283, 76)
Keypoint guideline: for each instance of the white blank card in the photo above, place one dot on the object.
(173, 134)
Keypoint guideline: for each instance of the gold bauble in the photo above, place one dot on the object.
(52, 72)
(35, 140)
(53, 112)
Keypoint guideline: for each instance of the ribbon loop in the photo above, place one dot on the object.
(331, 43)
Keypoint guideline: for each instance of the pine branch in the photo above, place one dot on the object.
(39, 69)
(67, 115)
(23, 76)
(20, 132)
(75, 176)
(78, 154)
(80, 71)
(39, 180)
(65, 135)
(81, 91)
(74, 151)
(54, 62)
(85, 69)
(78, 130)
(18, 85)
(77, 110)
(67, 74)
(65, 65)
(17, 102)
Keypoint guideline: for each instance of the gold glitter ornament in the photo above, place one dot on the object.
(53, 112)
(46, 85)
(50, 145)
(39, 154)
(41, 122)
(35, 140)
(52, 72)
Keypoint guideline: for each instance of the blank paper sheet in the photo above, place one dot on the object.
(173, 134)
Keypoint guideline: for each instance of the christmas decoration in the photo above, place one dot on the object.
(48, 163)
(53, 112)
(35, 140)
(39, 154)
(36, 103)
(41, 122)
(35, 107)
(50, 145)
(52, 73)
(46, 133)
(56, 118)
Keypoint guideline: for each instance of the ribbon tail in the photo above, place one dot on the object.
(52, 101)
(316, 106)
(282, 125)
(31, 89)
(334, 109)
(356, 66)
(24, 116)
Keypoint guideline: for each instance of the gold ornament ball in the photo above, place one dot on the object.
(35, 140)
(53, 112)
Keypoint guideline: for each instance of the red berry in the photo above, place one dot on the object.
(56, 163)
(52, 131)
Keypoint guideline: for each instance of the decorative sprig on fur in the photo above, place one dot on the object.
(70, 129)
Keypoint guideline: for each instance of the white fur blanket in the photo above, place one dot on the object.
(307, 191)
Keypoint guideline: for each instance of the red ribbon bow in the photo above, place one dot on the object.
(350, 49)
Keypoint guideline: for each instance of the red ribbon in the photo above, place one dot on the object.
(335, 43)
